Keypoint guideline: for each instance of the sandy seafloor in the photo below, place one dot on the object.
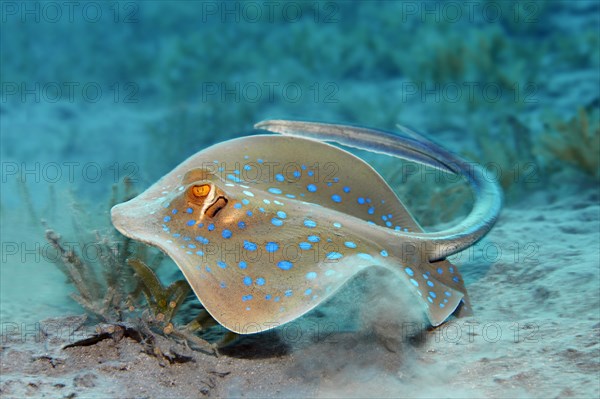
(534, 281)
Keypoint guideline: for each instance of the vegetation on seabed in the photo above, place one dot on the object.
(123, 293)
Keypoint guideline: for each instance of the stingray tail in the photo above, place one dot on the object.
(414, 147)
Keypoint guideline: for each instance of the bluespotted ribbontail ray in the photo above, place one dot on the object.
(266, 227)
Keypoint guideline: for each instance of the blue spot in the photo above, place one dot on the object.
(310, 223)
(246, 298)
(276, 299)
(276, 222)
(350, 244)
(176, 235)
(414, 282)
(430, 300)
(285, 264)
(451, 269)
(268, 297)
(433, 295)
(297, 174)
(249, 246)
(167, 219)
(211, 227)
(305, 245)
(368, 200)
(259, 160)
(274, 190)
(279, 177)
(234, 178)
(290, 195)
(288, 293)
(200, 225)
(272, 247)
(281, 214)
(222, 284)
(346, 189)
(388, 224)
(442, 305)
(247, 281)
(199, 253)
(237, 205)
(260, 281)
(447, 293)
(337, 225)
(430, 283)
(207, 268)
(384, 253)
(189, 210)
(174, 211)
(261, 209)
(360, 200)
(311, 187)
(308, 291)
(202, 240)
(226, 233)
(455, 279)
(245, 201)
(311, 275)
(247, 167)
(237, 172)
(329, 184)
(191, 246)
(336, 198)
(191, 222)
(242, 225)
(249, 213)
(242, 265)
(222, 264)
(384, 218)
(311, 173)
(334, 255)
(371, 211)
(440, 270)
(314, 238)
(409, 271)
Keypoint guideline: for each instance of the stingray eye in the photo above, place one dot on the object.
(201, 191)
